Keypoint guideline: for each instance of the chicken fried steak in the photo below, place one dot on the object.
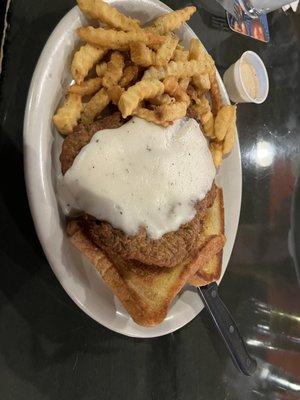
(168, 251)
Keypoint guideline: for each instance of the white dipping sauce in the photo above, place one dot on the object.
(141, 174)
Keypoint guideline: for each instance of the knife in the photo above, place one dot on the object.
(227, 329)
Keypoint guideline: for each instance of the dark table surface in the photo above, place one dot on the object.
(49, 349)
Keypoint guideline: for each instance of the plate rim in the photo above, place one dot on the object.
(29, 181)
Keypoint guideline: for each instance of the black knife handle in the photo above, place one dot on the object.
(227, 328)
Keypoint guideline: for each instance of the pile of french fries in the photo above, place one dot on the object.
(145, 72)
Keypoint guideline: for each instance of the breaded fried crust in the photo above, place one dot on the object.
(82, 135)
(168, 251)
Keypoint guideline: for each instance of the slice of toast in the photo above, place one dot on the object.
(213, 225)
(146, 291)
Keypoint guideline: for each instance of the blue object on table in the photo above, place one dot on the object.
(256, 28)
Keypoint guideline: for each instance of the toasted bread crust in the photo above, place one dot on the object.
(215, 264)
(143, 311)
(214, 224)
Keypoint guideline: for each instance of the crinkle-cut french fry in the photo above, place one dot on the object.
(114, 93)
(150, 116)
(87, 88)
(208, 125)
(214, 85)
(130, 75)
(224, 120)
(162, 99)
(197, 50)
(201, 82)
(171, 21)
(141, 54)
(193, 93)
(118, 40)
(229, 139)
(184, 83)
(95, 106)
(171, 112)
(68, 114)
(180, 69)
(196, 94)
(215, 92)
(154, 45)
(173, 88)
(180, 55)
(84, 59)
(101, 68)
(180, 47)
(107, 14)
(199, 111)
(171, 85)
(202, 112)
(216, 152)
(114, 70)
(130, 99)
(166, 50)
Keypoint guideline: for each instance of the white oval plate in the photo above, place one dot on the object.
(79, 279)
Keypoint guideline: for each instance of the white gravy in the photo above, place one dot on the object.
(141, 174)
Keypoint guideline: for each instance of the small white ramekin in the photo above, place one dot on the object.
(234, 84)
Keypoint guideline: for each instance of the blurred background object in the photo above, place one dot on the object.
(253, 8)
(50, 350)
(4, 7)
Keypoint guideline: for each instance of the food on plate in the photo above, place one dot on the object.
(101, 68)
(201, 110)
(95, 105)
(177, 243)
(108, 15)
(130, 75)
(173, 20)
(130, 99)
(174, 89)
(145, 130)
(68, 114)
(215, 91)
(115, 93)
(179, 69)
(198, 52)
(84, 59)
(143, 254)
(147, 291)
(142, 55)
(166, 50)
(213, 226)
(118, 40)
(123, 53)
(202, 82)
(180, 54)
(82, 135)
(216, 149)
(229, 140)
(162, 99)
(114, 70)
(87, 88)
(224, 120)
